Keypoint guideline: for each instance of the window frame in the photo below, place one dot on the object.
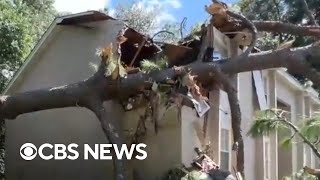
(226, 144)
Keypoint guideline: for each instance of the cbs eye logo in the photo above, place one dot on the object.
(28, 151)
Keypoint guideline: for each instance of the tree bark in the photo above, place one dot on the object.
(280, 27)
(296, 60)
(112, 130)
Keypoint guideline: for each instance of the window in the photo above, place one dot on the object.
(225, 149)
(216, 56)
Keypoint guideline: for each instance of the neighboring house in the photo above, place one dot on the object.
(64, 55)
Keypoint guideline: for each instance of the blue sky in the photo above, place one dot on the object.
(173, 10)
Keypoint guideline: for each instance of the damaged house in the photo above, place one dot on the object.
(66, 54)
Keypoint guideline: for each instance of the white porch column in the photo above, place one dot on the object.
(313, 157)
(298, 149)
(307, 150)
(272, 102)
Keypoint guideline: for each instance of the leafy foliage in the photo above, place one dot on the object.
(301, 175)
(154, 65)
(174, 174)
(311, 128)
(271, 10)
(18, 34)
(286, 142)
(265, 124)
(22, 22)
(196, 175)
(296, 14)
(290, 11)
(270, 121)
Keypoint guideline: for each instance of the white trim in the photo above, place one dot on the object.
(260, 89)
(266, 150)
(76, 15)
(32, 54)
(293, 83)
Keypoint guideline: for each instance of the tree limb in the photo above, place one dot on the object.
(104, 88)
(248, 24)
(305, 140)
(297, 60)
(284, 120)
(236, 127)
(113, 132)
(288, 28)
(315, 172)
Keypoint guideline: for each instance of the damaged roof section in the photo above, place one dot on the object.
(137, 48)
(130, 48)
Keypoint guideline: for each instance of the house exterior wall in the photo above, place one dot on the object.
(72, 47)
(76, 47)
(165, 149)
(298, 101)
(247, 112)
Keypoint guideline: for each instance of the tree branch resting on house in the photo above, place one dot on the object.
(103, 86)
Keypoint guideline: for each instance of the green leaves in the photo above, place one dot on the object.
(22, 22)
(286, 142)
(265, 124)
(311, 128)
(264, 127)
(154, 65)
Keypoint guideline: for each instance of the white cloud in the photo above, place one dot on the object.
(76, 6)
(112, 12)
(165, 17)
(164, 5)
(175, 3)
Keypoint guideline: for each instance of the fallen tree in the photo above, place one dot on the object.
(92, 92)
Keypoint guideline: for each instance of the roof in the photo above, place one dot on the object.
(84, 17)
(73, 19)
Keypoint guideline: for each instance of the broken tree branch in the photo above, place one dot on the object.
(113, 132)
(138, 51)
(315, 172)
(233, 94)
(235, 116)
(206, 33)
(297, 131)
(297, 60)
(249, 25)
(182, 27)
(288, 28)
(104, 88)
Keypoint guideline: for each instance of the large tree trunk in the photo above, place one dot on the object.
(91, 93)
